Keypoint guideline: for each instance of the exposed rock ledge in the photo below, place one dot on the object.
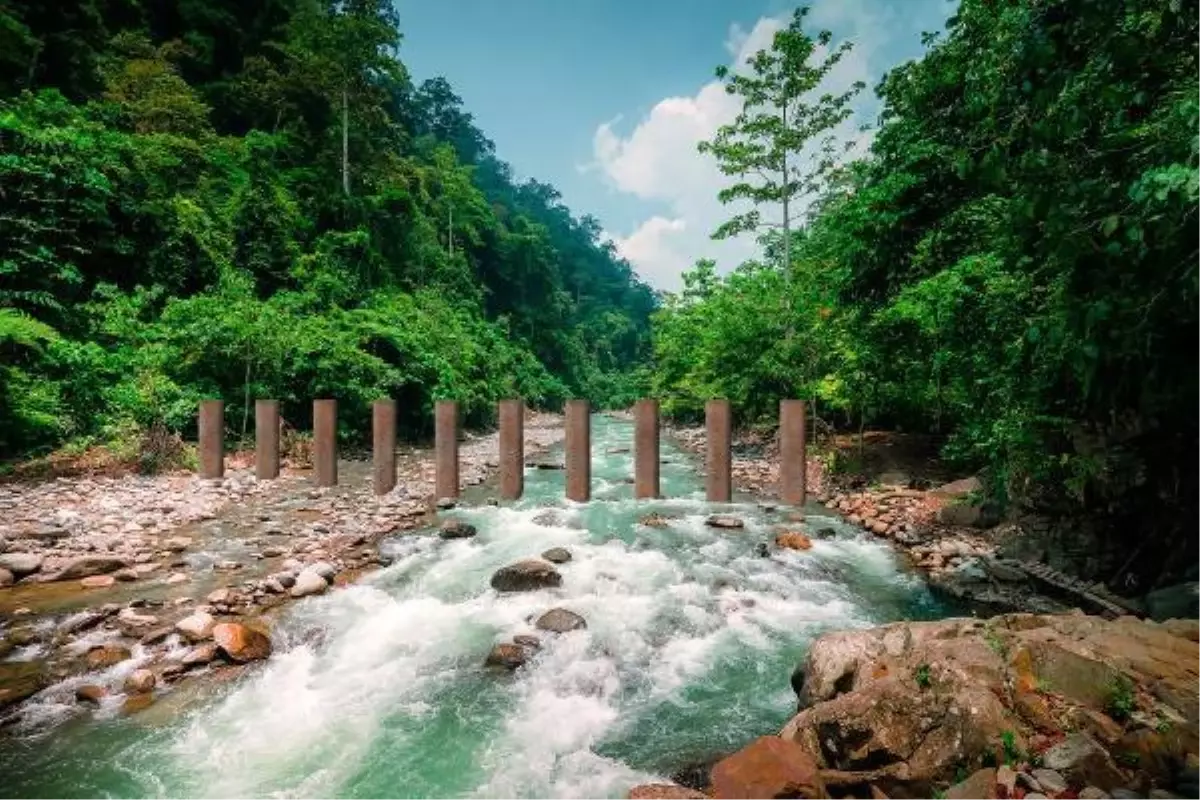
(1018, 705)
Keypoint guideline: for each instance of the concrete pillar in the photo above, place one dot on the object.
(266, 439)
(325, 442)
(446, 447)
(792, 477)
(383, 439)
(212, 439)
(512, 449)
(645, 449)
(719, 429)
(579, 451)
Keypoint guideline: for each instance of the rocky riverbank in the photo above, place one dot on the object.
(941, 528)
(115, 589)
(1017, 706)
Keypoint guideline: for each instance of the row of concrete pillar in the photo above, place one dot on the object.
(578, 461)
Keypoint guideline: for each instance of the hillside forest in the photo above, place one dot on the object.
(241, 199)
(1011, 269)
(254, 199)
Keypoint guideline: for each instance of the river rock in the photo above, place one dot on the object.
(137, 702)
(526, 576)
(981, 784)
(140, 681)
(196, 627)
(221, 597)
(97, 581)
(285, 579)
(127, 575)
(308, 582)
(1083, 762)
(90, 693)
(106, 655)
(324, 569)
(655, 521)
(85, 566)
(865, 718)
(793, 540)
(200, 655)
(446, 503)
(725, 521)
(768, 767)
(19, 680)
(241, 643)
(456, 529)
(527, 641)
(1048, 781)
(508, 656)
(21, 564)
(664, 791)
(6, 578)
(557, 555)
(560, 620)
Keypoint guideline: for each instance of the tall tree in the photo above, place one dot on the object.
(781, 145)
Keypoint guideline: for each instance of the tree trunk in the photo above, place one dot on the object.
(246, 403)
(345, 141)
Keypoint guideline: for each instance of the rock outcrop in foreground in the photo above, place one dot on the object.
(1016, 706)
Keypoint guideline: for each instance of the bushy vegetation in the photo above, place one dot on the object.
(1013, 265)
(253, 199)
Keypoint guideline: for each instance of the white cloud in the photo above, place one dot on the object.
(658, 159)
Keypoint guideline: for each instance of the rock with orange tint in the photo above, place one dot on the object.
(241, 643)
(768, 767)
(793, 540)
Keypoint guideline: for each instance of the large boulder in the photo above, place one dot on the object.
(84, 566)
(526, 576)
(559, 620)
(456, 529)
(241, 643)
(768, 767)
(21, 564)
(725, 521)
(1179, 601)
(906, 706)
(507, 656)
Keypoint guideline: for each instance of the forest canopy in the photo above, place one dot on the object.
(252, 198)
(1013, 267)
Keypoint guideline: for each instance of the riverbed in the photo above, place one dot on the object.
(379, 689)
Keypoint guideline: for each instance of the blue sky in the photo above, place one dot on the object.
(606, 99)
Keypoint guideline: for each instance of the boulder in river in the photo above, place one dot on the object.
(140, 681)
(793, 540)
(655, 521)
(196, 627)
(726, 521)
(6, 578)
(528, 575)
(560, 620)
(527, 641)
(308, 582)
(97, 581)
(84, 566)
(241, 643)
(90, 693)
(508, 656)
(557, 555)
(200, 655)
(768, 767)
(106, 655)
(21, 564)
(905, 705)
(456, 529)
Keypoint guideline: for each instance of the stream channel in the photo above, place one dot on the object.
(379, 689)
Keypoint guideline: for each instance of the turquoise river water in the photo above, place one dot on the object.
(691, 640)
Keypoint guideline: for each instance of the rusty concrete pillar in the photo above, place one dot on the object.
(579, 451)
(383, 440)
(446, 447)
(719, 461)
(325, 442)
(512, 449)
(645, 449)
(266, 439)
(212, 439)
(792, 462)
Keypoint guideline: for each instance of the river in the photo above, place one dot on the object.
(379, 689)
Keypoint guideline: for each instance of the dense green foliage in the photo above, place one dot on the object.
(179, 219)
(1014, 265)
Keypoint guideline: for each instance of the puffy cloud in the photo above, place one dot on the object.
(658, 160)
